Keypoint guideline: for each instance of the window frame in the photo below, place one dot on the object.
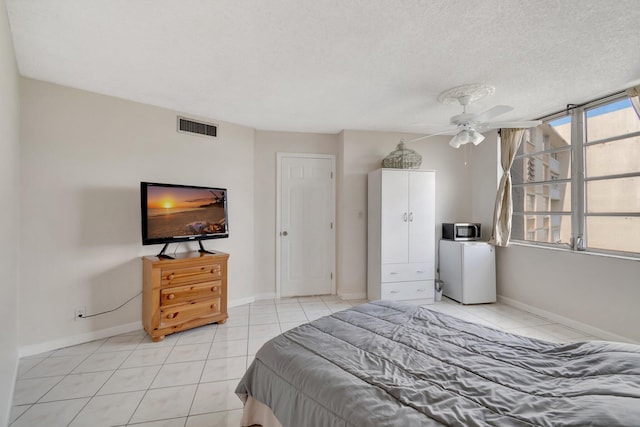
(578, 180)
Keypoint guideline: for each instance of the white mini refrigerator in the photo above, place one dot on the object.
(468, 270)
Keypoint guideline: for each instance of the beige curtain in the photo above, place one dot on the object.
(510, 140)
(634, 96)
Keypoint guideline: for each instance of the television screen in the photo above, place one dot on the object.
(178, 213)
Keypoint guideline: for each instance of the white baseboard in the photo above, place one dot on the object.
(30, 350)
(268, 295)
(352, 295)
(240, 301)
(565, 321)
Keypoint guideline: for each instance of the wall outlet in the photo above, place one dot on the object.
(79, 313)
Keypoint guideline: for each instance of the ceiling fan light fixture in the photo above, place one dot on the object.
(466, 136)
(475, 136)
(459, 139)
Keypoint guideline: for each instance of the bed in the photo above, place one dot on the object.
(387, 363)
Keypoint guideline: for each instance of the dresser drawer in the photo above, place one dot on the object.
(177, 314)
(186, 275)
(407, 272)
(407, 290)
(180, 294)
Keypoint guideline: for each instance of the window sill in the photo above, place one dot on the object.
(568, 250)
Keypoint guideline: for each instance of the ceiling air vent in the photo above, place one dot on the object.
(199, 128)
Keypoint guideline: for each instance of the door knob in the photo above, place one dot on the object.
(284, 233)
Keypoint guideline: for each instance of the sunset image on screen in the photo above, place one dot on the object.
(178, 211)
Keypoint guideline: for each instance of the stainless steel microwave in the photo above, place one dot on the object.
(461, 231)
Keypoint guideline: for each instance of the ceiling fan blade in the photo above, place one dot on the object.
(523, 124)
(444, 132)
(432, 127)
(492, 112)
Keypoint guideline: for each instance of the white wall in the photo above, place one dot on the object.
(83, 157)
(9, 216)
(267, 144)
(600, 292)
(362, 152)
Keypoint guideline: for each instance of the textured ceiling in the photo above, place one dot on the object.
(328, 65)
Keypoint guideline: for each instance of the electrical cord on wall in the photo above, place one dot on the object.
(109, 311)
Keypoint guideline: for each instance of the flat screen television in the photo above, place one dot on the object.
(180, 213)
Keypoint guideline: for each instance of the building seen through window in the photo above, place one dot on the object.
(554, 204)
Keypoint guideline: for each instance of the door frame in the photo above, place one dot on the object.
(279, 157)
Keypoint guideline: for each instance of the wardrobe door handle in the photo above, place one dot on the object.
(410, 216)
(404, 217)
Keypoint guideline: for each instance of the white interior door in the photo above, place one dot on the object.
(306, 229)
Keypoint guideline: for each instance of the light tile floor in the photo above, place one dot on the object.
(188, 379)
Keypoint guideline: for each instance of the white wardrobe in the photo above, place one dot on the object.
(401, 235)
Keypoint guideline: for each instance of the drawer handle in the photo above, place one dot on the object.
(214, 289)
(213, 306)
(393, 292)
(214, 270)
(172, 315)
(171, 296)
(421, 290)
(419, 271)
(393, 272)
(171, 276)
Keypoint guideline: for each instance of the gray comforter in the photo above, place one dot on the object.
(391, 364)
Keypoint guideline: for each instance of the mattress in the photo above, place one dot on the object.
(387, 363)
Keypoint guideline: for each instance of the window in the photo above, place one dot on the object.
(542, 191)
(576, 180)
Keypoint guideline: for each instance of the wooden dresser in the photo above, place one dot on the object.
(182, 293)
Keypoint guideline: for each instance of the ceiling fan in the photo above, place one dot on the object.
(467, 127)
